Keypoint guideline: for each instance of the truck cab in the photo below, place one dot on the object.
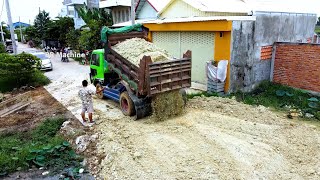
(115, 89)
(98, 67)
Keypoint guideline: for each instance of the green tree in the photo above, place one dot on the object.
(73, 38)
(318, 22)
(32, 34)
(6, 31)
(65, 25)
(94, 19)
(40, 23)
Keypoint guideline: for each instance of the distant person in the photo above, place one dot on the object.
(85, 94)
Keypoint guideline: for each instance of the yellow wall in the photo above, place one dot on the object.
(222, 48)
(178, 8)
(222, 51)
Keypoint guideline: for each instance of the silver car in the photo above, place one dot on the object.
(46, 63)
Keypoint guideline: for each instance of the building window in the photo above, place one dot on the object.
(123, 16)
(119, 16)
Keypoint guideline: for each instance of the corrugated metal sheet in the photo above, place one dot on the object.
(195, 19)
(234, 6)
(190, 19)
(200, 43)
(180, 8)
(246, 6)
(159, 4)
(112, 3)
(231, 6)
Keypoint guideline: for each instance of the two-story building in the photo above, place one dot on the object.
(120, 9)
(71, 5)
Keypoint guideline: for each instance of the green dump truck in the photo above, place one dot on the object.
(131, 85)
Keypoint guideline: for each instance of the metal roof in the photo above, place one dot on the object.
(236, 6)
(155, 4)
(112, 3)
(246, 6)
(190, 19)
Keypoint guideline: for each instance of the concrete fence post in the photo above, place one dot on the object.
(274, 50)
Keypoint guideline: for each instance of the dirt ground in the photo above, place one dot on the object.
(42, 105)
(216, 138)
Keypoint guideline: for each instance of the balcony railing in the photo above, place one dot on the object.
(73, 2)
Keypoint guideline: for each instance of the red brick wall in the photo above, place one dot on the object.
(297, 65)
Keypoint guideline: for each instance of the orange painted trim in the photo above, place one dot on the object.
(191, 26)
(150, 36)
(222, 51)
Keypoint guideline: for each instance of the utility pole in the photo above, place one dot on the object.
(20, 30)
(2, 36)
(133, 14)
(14, 46)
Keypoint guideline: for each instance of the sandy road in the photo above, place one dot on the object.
(215, 139)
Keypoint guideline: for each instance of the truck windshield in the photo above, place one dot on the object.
(95, 60)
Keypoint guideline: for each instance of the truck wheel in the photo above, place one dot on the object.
(126, 104)
(98, 88)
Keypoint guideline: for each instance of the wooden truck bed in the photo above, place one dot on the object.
(149, 78)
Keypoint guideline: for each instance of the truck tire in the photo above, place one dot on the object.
(126, 104)
(98, 88)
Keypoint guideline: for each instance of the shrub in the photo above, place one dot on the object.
(20, 70)
(2, 48)
(41, 147)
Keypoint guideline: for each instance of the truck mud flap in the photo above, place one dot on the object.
(142, 106)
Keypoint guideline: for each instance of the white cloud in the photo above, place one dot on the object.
(28, 9)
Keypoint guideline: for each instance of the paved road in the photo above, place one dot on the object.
(66, 78)
(61, 70)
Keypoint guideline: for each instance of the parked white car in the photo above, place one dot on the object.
(46, 63)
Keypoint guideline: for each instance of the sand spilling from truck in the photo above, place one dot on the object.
(134, 49)
(167, 105)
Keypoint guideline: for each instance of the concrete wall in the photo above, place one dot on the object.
(247, 69)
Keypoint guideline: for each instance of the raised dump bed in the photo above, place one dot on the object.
(149, 78)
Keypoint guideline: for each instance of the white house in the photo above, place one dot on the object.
(71, 5)
(149, 9)
(120, 9)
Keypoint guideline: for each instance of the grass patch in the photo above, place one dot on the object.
(203, 94)
(39, 79)
(41, 147)
(278, 96)
(317, 30)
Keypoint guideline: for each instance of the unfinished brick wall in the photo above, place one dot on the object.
(297, 65)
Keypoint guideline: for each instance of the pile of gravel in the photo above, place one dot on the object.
(134, 50)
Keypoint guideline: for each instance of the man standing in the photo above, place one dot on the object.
(85, 94)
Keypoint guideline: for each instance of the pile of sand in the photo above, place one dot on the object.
(134, 50)
(167, 105)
